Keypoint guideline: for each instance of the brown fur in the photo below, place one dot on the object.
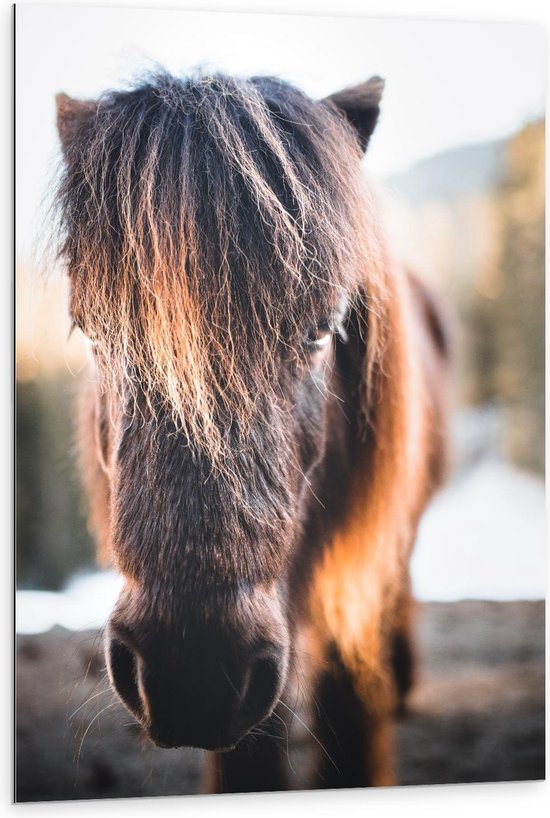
(357, 589)
(249, 483)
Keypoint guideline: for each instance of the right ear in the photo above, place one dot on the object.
(360, 105)
(72, 115)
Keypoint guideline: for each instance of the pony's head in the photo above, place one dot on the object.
(220, 245)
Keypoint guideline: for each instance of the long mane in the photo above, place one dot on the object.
(203, 223)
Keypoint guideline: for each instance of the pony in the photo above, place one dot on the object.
(263, 422)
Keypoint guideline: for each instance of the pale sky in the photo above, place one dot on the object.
(448, 83)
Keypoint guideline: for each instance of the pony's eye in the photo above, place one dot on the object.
(318, 337)
(89, 340)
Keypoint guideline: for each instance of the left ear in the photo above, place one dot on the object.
(72, 114)
(360, 105)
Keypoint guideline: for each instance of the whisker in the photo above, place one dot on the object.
(95, 718)
(314, 737)
(87, 701)
(228, 679)
(285, 725)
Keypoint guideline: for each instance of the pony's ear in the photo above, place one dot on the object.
(361, 106)
(72, 114)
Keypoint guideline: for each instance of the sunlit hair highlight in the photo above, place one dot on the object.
(205, 224)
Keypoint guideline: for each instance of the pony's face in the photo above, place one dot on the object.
(211, 234)
(199, 640)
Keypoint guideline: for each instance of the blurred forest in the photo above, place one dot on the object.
(470, 221)
(506, 314)
(52, 539)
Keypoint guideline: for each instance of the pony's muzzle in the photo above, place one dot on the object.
(206, 688)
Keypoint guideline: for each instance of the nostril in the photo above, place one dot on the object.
(260, 690)
(122, 664)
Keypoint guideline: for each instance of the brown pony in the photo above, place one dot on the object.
(263, 427)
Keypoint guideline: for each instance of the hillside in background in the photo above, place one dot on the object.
(462, 171)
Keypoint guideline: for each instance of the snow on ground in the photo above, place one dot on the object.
(85, 604)
(482, 538)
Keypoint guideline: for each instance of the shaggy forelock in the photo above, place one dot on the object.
(206, 224)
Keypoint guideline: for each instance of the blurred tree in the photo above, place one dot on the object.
(514, 299)
(52, 541)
